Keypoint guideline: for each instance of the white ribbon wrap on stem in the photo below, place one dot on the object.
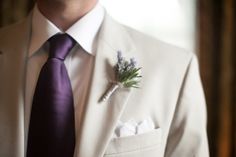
(110, 91)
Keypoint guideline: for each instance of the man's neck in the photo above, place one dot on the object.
(64, 13)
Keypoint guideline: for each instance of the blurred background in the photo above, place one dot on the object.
(205, 27)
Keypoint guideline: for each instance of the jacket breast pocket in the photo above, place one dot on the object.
(142, 145)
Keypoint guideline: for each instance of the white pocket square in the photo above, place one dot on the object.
(131, 128)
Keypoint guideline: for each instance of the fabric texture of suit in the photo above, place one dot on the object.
(171, 94)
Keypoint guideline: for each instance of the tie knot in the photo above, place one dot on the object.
(60, 46)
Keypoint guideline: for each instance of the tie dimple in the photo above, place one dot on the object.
(60, 45)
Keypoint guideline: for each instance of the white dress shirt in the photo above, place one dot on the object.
(79, 62)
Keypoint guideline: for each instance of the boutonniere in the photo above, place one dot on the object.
(127, 75)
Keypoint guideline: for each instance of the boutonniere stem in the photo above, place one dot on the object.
(127, 75)
(110, 91)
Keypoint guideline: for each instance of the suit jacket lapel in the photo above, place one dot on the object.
(101, 118)
(14, 48)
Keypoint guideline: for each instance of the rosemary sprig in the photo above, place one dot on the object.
(126, 72)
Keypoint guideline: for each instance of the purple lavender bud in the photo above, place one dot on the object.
(119, 56)
(133, 62)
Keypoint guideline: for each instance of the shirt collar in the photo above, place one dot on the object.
(83, 31)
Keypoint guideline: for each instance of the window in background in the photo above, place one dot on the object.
(172, 21)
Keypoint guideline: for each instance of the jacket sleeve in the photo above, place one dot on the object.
(187, 135)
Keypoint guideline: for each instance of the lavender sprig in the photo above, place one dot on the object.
(127, 72)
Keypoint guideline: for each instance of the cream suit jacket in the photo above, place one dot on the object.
(171, 94)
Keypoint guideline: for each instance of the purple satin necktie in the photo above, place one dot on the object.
(52, 124)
